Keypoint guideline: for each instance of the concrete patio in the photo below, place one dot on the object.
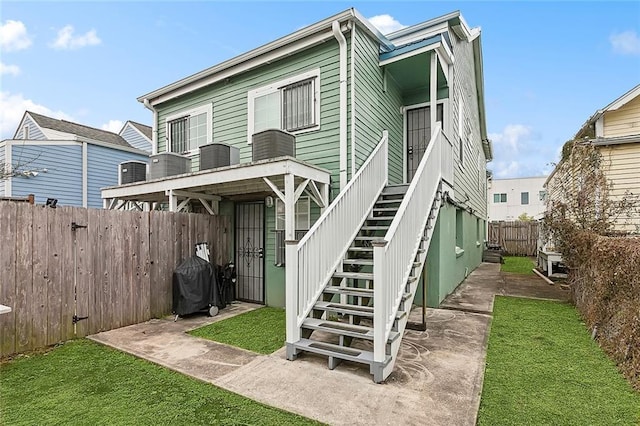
(437, 378)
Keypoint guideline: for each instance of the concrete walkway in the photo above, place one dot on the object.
(437, 378)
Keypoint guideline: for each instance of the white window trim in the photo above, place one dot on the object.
(295, 213)
(207, 108)
(277, 86)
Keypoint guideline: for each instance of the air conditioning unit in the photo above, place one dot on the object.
(273, 143)
(216, 155)
(168, 164)
(132, 171)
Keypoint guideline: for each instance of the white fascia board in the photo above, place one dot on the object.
(128, 124)
(422, 34)
(622, 100)
(435, 22)
(277, 49)
(56, 134)
(34, 142)
(386, 44)
(410, 54)
(234, 173)
(22, 123)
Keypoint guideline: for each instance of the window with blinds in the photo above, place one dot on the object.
(189, 130)
(297, 106)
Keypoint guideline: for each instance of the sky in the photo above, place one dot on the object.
(548, 66)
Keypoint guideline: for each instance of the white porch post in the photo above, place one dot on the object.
(433, 90)
(291, 266)
(173, 201)
(380, 307)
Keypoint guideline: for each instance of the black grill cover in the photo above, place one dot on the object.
(195, 287)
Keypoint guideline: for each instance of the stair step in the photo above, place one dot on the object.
(349, 291)
(367, 238)
(394, 201)
(344, 329)
(364, 262)
(354, 275)
(380, 218)
(337, 351)
(395, 189)
(342, 308)
(361, 249)
(374, 228)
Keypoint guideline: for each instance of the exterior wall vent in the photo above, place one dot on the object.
(273, 143)
(132, 171)
(168, 164)
(216, 155)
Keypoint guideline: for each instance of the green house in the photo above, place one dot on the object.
(353, 165)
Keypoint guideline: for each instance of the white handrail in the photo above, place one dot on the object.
(311, 263)
(393, 256)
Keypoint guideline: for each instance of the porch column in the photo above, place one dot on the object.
(433, 90)
(289, 207)
(173, 201)
(291, 267)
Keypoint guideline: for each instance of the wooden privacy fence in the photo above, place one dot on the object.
(517, 238)
(115, 268)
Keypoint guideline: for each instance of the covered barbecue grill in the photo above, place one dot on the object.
(195, 288)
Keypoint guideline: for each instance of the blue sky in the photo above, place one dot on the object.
(548, 65)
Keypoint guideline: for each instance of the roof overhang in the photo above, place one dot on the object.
(617, 104)
(619, 140)
(229, 182)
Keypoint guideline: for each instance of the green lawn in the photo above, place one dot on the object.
(84, 383)
(518, 265)
(261, 330)
(544, 369)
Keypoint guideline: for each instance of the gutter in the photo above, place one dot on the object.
(154, 126)
(342, 42)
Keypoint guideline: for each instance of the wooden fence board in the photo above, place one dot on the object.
(39, 265)
(518, 238)
(24, 277)
(8, 277)
(117, 271)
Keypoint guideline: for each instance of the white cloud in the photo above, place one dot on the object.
(14, 36)
(66, 40)
(505, 169)
(12, 108)
(386, 23)
(511, 137)
(9, 69)
(113, 126)
(625, 43)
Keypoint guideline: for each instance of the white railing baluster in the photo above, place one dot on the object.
(393, 257)
(321, 250)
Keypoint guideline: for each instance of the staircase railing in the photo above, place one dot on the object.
(393, 256)
(311, 262)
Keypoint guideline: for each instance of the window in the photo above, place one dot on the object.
(459, 231)
(542, 195)
(302, 224)
(499, 198)
(190, 130)
(524, 198)
(291, 105)
(25, 132)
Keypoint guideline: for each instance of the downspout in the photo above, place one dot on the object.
(154, 131)
(342, 42)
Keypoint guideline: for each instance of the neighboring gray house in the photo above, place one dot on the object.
(66, 161)
(354, 170)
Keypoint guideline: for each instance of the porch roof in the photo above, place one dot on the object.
(229, 181)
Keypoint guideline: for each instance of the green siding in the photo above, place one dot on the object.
(230, 112)
(376, 109)
(445, 271)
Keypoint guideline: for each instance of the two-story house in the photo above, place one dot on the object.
(353, 164)
(68, 162)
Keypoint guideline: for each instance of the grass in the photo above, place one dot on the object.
(518, 265)
(261, 330)
(543, 369)
(84, 383)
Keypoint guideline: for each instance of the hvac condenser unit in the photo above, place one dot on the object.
(216, 155)
(132, 171)
(168, 164)
(273, 143)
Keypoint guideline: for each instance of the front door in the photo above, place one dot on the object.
(250, 251)
(418, 135)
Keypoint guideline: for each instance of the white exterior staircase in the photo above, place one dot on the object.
(356, 308)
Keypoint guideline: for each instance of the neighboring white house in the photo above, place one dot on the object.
(509, 198)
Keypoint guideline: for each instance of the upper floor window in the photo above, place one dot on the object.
(542, 195)
(500, 198)
(292, 104)
(189, 130)
(524, 198)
